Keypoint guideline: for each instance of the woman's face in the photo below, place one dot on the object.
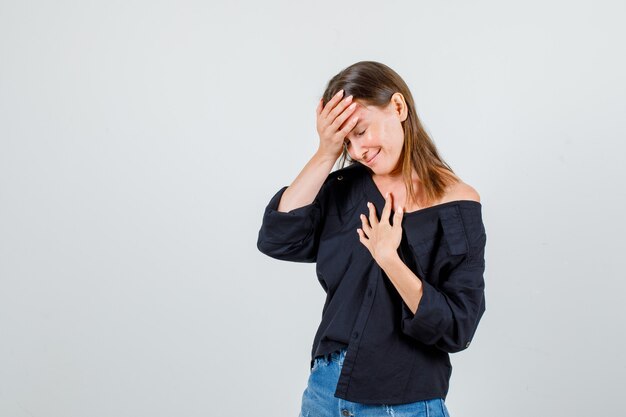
(377, 139)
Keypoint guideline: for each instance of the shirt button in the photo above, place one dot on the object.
(346, 412)
(340, 178)
(355, 334)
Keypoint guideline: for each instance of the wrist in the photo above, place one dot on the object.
(389, 260)
(325, 158)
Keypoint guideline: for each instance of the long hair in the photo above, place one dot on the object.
(374, 83)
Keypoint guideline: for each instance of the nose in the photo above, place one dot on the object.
(359, 151)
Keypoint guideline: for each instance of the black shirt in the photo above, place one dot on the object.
(393, 356)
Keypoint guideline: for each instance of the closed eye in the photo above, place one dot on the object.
(347, 141)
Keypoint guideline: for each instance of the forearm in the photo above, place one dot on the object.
(408, 285)
(307, 184)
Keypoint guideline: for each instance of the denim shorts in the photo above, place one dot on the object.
(318, 399)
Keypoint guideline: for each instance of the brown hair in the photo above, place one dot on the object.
(374, 83)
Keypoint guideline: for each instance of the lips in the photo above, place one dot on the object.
(372, 158)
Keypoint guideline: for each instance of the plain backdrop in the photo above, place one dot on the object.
(140, 142)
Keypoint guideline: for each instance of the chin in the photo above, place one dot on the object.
(387, 171)
(379, 172)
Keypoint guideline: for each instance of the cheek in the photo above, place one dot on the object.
(394, 137)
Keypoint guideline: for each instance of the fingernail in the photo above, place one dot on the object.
(387, 195)
(340, 92)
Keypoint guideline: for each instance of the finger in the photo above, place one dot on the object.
(331, 103)
(362, 238)
(342, 112)
(338, 109)
(319, 107)
(350, 124)
(373, 217)
(336, 116)
(397, 221)
(366, 227)
(384, 217)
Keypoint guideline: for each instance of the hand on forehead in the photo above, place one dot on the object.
(360, 111)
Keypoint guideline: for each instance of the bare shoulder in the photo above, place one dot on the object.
(462, 191)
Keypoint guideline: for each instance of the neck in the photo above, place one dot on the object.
(397, 175)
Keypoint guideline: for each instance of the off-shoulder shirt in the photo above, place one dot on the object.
(393, 356)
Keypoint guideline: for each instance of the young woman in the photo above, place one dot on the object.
(399, 242)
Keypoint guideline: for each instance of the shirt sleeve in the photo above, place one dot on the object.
(447, 317)
(294, 235)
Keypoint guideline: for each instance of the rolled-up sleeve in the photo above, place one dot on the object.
(447, 317)
(291, 236)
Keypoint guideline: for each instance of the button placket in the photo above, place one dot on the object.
(361, 321)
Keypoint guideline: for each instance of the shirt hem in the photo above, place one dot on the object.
(387, 401)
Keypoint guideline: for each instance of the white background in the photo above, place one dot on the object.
(140, 142)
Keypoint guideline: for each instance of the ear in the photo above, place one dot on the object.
(399, 106)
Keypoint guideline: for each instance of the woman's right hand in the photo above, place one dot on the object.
(329, 124)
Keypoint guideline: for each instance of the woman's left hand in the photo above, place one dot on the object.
(381, 238)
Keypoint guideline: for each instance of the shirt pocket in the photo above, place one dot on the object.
(447, 246)
(427, 254)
